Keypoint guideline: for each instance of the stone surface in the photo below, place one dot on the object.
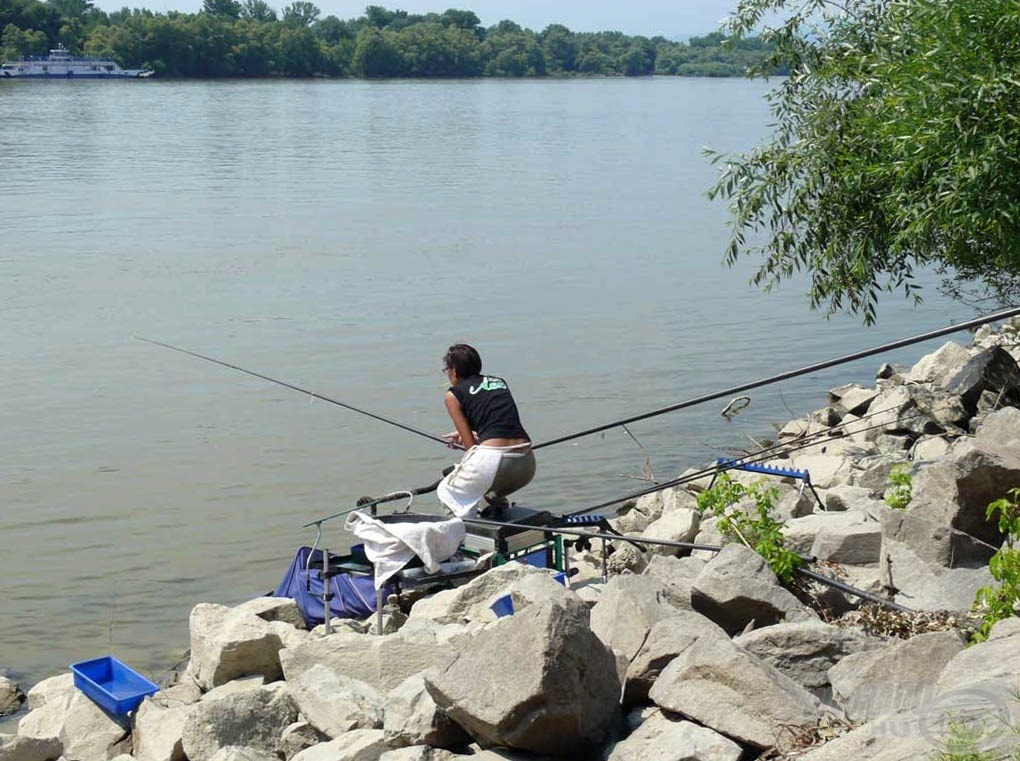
(727, 689)
(48, 704)
(928, 448)
(666, 640)
(11, 696)
(274, 609)
(825, 470)
(539, 681)
(20, 748)
(663, 738)
(676, 575)
(940, 366)
(298, 736)
(996, 661)
(737, 587)
(334, 703)
(920, 585)
(227, 644)
(844, 497)
(806, 651)
(679, 525)
(992, 369)
(870, 684)
(235, 753)
(471, 602)
(413, 718)
(627, 609)
(857, 544)
(158, 727)
(88, 733)
(254, 719)
(359, 745)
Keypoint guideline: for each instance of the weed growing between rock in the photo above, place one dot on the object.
(899, 491)
(887, 622)
(995, 603)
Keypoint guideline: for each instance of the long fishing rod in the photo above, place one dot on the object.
(313, 394)
(751, 459)
(787, 375)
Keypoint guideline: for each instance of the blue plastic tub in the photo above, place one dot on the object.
(111, 685)
(504, 606)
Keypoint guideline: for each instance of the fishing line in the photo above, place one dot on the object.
(787, 375)
(312, 394)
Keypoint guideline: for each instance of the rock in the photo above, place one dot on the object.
(289, 634)
(48, 702)
(872, 473)
(549, 684)
(57, 688)
(737, 587)
(11, 696)
(625, 558)
(717, 684)
(794, 503)
(885, 371)
(924, 528)
(627, 610)
(382, 662)
(650, 507)
(298, 736)
(857, 544)
(991, 370)
(540, 587)
(359, 745)
(826, 470)
(995, 662)
(844, 497)
(158, 727)
(89, 733)
(334, 703)
(1000, 431)
(666, 640)
(471, 602)
(226, 644)
(676, 576)
(661, 738)
(901, 676)
(254, 719)
(679, 525)
(232, 687)
(940, 366)
(275, 609)
(234, 753)
(921, 585)
(806, 651)
(413, 718)
(929, 448)
(21, 748)
(856, 400)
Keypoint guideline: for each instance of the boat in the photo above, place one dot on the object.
(60, 64)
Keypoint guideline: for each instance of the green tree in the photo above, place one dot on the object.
(257, 10)
(376, 54)
(300, 13)
(896, 148)
(228, 9)
(559, 48)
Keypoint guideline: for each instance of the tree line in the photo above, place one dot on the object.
(249, 38)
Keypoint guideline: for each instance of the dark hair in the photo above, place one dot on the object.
(463, 359)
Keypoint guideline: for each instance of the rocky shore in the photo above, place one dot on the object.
(680, 655)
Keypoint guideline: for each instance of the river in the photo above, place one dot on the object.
(339, 235)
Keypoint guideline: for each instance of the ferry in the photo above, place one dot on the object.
(60, 64)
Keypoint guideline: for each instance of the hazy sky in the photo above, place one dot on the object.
(646, 17)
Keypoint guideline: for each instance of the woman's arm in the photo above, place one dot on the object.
(460, 422)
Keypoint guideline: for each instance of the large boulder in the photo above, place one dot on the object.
(48, 703)
(11, 696)
(334, 703)
(664, 738)
(226, 644)
(737, 587)
(990, 370)
(413, 718)
(357, 745)
(897, 677)
(806, 651)
(940, 366)
(994, 663)
(252, 718)
(727, 689)
(922, 585)
(275, 609)
(858, 544)
(627, 609)
(677, 576)
(297, 737)
(471, 601)
(89, 733)
(680, 525)
(800, 533)
(158, 728)
(380, 661)
(667, 639)
(539, 681)
(21, 748)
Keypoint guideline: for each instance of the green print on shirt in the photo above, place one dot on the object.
(487, 384)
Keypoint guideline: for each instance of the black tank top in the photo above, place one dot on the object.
(489, 408)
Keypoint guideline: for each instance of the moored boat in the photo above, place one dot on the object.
(60, 64)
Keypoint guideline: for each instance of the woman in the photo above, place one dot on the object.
(499, 460)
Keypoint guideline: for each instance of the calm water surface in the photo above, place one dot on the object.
(339, 235)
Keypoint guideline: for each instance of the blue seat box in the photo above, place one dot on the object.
(111, 685)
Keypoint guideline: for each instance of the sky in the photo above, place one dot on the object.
(670, 18)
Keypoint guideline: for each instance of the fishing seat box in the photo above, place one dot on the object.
(528, 533)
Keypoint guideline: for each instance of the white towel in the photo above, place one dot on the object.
(389, 546)
(462, 490)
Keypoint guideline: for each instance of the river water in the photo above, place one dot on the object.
(338, 236)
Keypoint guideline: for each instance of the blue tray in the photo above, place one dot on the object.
(111, 685)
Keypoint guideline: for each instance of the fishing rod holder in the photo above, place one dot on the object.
(769, 470)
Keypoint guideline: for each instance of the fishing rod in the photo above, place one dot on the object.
(312, 394)
(824, 436)
(787, 375)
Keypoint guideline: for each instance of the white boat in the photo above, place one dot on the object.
(60, 64)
